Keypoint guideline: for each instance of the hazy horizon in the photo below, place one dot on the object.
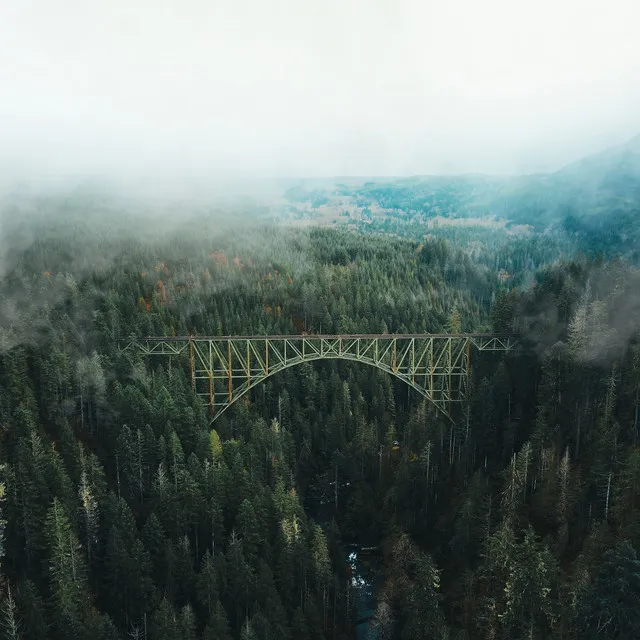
(237, 90)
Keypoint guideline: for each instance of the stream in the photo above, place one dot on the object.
(364, 566)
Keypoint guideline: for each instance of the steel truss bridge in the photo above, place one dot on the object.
(223, 368)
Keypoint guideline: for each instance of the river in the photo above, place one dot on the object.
(365, 565)
(364, 582)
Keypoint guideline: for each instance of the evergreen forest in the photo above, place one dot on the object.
(126, 514)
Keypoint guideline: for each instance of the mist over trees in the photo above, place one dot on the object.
(125, 514)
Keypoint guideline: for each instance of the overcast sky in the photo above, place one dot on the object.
(314, 87)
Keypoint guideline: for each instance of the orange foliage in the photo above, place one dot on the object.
(143, 274)
(236, 261)
(298, 323)
(144, 304)
(290, 280)
(220, 258)
(46, 274)
(162, 292)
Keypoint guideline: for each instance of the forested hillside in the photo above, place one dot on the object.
(125, 514)
(592, 205)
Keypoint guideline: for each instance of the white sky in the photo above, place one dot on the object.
(314, 87)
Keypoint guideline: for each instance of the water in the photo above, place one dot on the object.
(364, 585)
(364, 567)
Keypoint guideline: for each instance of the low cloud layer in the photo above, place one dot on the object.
(252, 88)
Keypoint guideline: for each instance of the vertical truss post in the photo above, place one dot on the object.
(266, 356)
(431, 368)
(395, 361)
(449, 365)
(413, 360)
(248, 366)
(210, 379)
(230, 370)
(468, 363)
(191, 372)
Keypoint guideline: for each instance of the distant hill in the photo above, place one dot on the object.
(597, 197)
(604, 184)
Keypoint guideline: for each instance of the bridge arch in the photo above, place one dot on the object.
(215, 411)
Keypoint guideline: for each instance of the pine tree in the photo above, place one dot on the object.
(454, 323)
(187, 624)
(89, 516)
(32, 611)
(10, 624)
(247, 528)
(67, 570)
(531, 592)
(218, 626)
(207, 584)
(610, 607)
(164, 624)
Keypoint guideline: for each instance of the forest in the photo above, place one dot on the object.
(591, 205)
(126, 514)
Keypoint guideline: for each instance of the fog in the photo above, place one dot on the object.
(228, 89)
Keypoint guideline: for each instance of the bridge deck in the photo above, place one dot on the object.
(324, 336)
